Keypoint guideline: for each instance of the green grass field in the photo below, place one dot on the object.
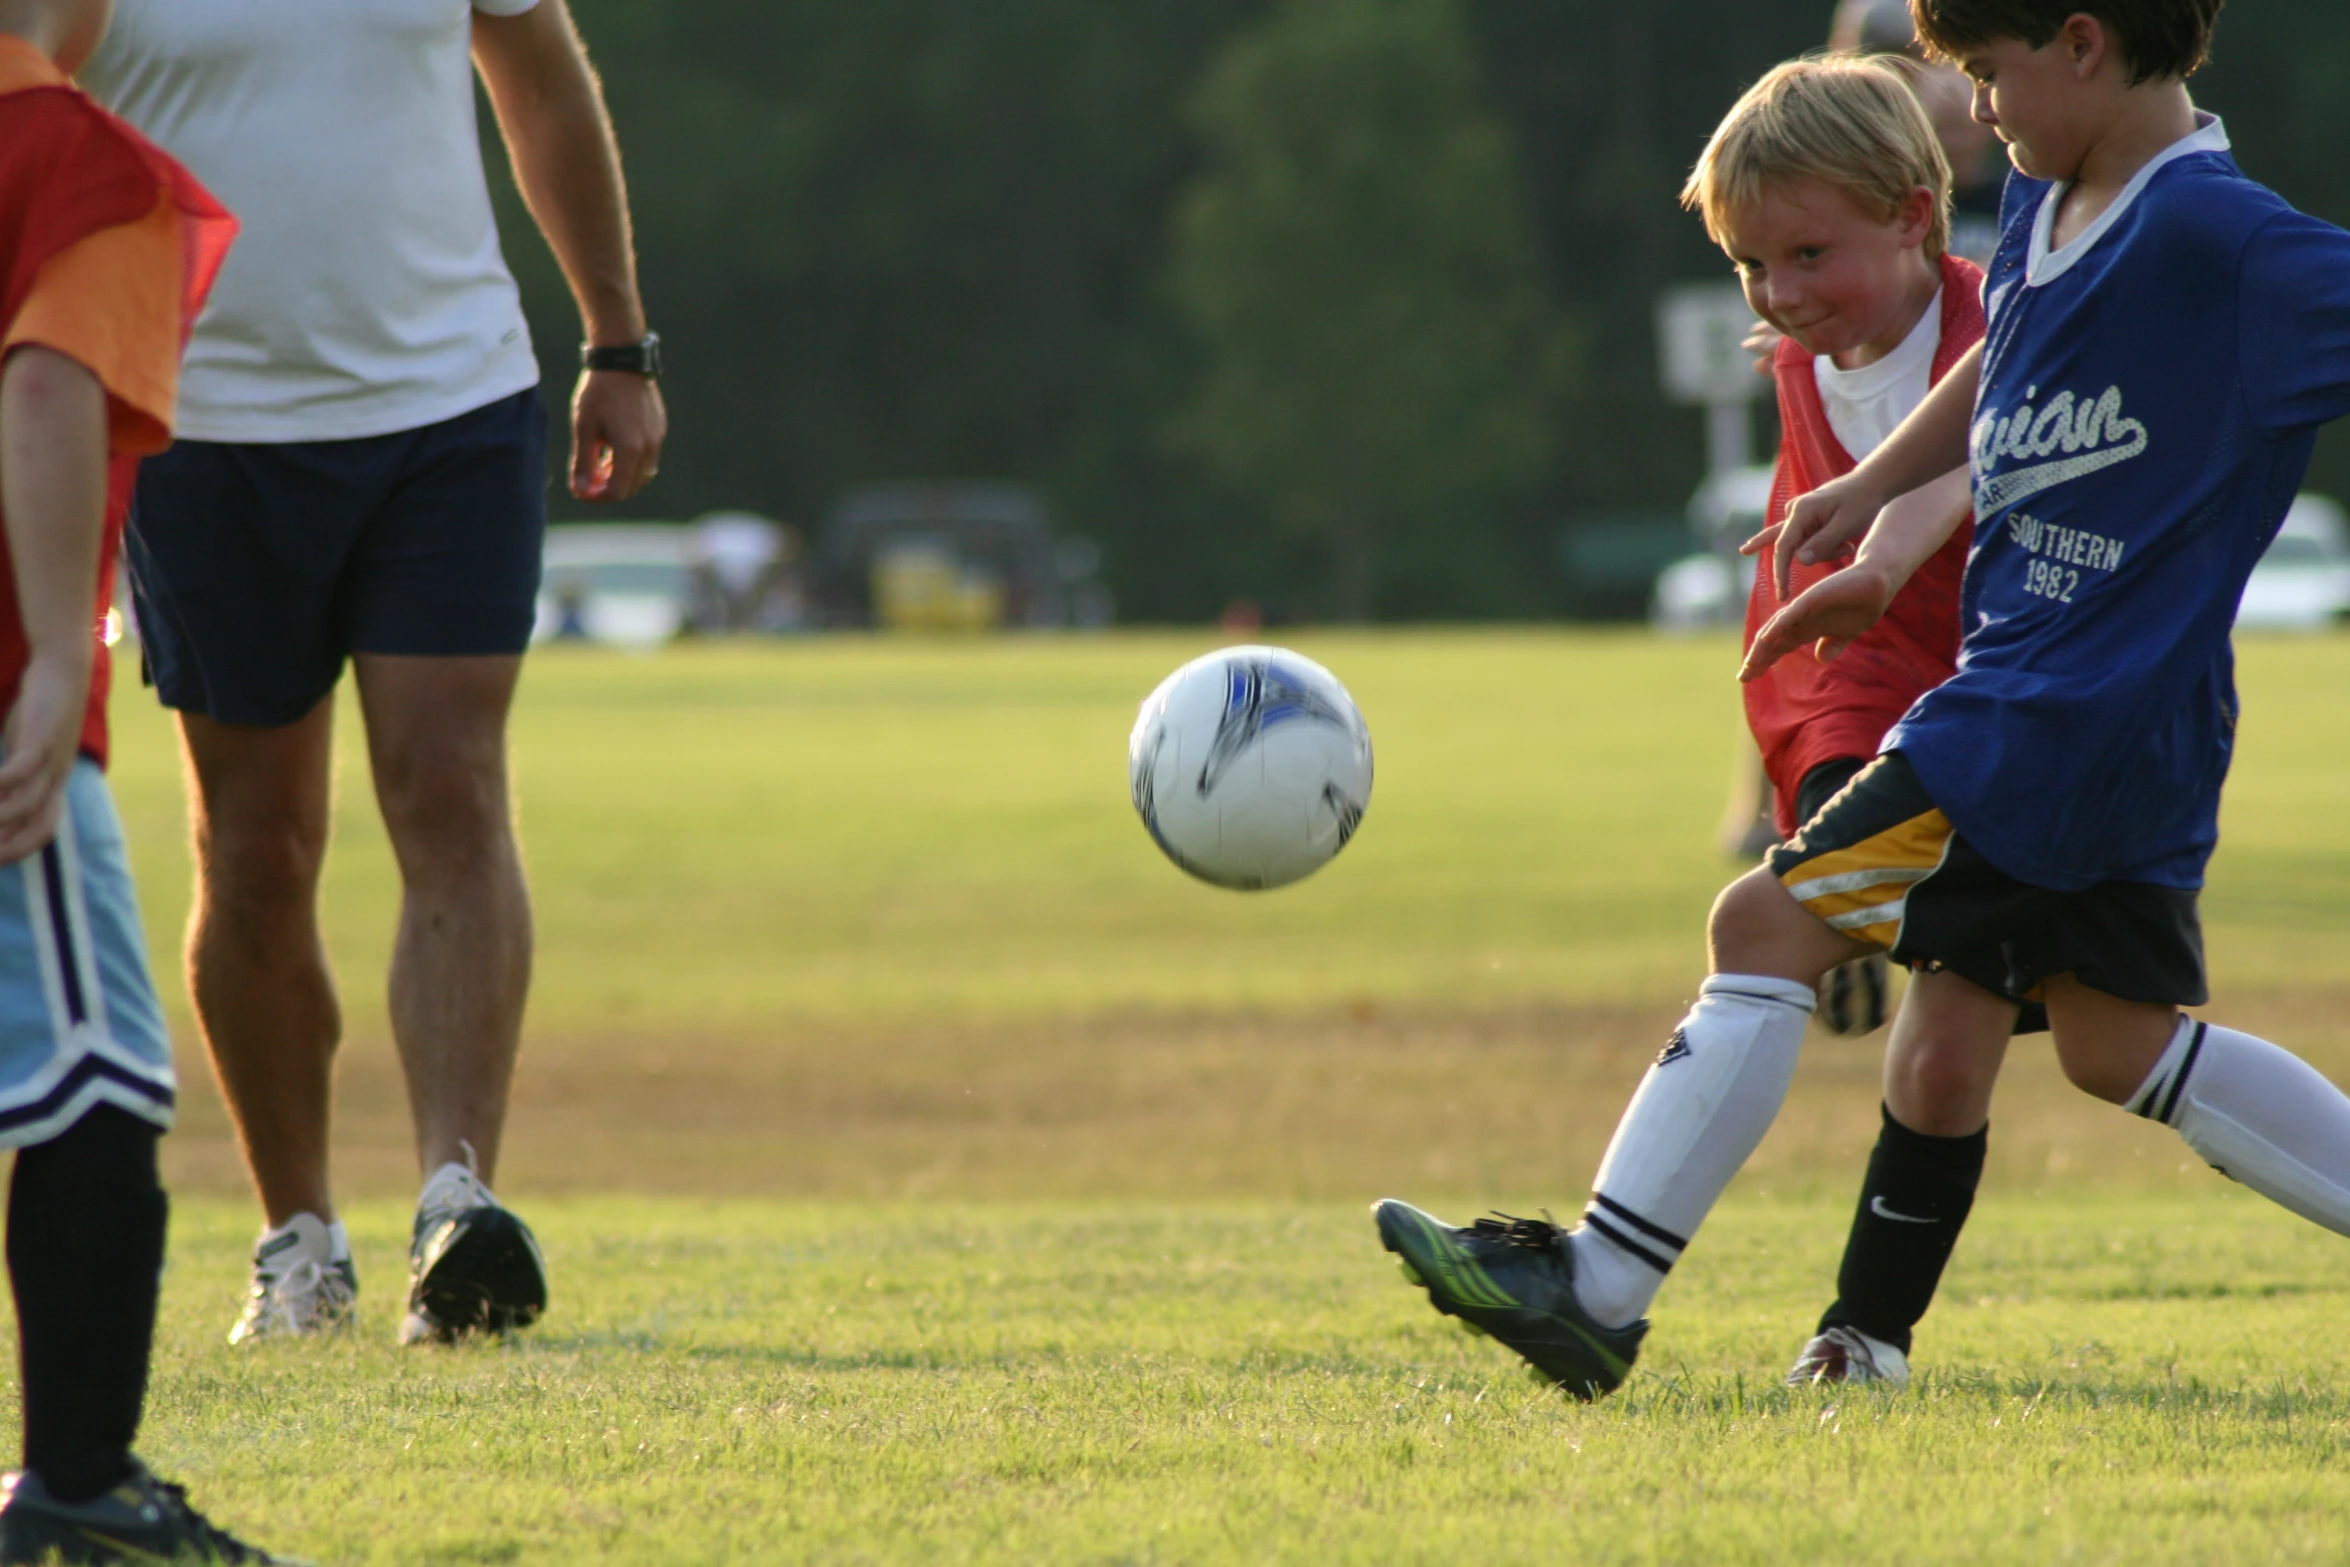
(931, 1173)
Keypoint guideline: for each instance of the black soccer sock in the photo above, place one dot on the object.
(1913, 1203)
(86, 1215)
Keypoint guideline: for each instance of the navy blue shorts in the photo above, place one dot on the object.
(258, 568)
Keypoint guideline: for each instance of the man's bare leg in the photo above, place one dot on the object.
(436, 734)
(257, 968)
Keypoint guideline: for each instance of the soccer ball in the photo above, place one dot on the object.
(1251, 767)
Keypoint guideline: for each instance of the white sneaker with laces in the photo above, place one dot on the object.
(473, 1265)
(1851, 1356)
(303, 1283)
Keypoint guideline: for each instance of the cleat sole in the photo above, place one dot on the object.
(481, 1273)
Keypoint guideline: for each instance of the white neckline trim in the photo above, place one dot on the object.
(1914, 351)
(2044, 265)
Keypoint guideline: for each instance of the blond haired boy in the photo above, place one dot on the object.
(1826, 186)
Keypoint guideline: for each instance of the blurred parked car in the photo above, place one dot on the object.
(2303, 582)
(1710, 588)
(629, 584)
(953, 556)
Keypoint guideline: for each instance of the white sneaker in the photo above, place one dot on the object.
(473, 1265)
(1849, 1355)
(303, 1282)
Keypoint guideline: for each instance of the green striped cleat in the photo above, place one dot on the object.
(1512, 1279)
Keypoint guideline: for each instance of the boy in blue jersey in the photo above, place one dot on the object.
(2164, 336)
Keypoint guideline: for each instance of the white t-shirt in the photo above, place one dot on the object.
(1866, 405)
(366, 293)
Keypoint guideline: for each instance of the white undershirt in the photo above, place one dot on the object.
(1868, 404)
(366, 292)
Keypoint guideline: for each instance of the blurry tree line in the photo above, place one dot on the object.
(1341, 306)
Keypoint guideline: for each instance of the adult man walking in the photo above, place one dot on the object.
(360, 474)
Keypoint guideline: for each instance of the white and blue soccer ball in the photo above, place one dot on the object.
(1251, 767)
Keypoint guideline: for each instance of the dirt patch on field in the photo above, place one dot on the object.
(1355, 1103)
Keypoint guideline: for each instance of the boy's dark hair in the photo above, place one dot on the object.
(2159, 39)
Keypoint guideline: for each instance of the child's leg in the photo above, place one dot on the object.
(85, 1255)
(1948, 1043)
(2255, 1112)
(1707, 1101)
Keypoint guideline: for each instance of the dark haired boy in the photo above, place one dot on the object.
(106, 250)
(2164, 337)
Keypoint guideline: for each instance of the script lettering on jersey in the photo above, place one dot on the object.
(2058, 440)
(2060, 554)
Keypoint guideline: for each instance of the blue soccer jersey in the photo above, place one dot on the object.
(2149, 397)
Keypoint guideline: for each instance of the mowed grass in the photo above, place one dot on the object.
(932, 1173)
(2137, 1381)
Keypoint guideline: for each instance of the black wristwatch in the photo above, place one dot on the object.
(642, 357)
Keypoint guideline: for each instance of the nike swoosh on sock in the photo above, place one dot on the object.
(1877, 1207)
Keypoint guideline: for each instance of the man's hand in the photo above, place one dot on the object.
(1817, 526)
(42, 738)
(1831, 612)
(618, 423)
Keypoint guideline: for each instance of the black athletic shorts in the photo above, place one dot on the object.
(258, 568)
(1881, 863)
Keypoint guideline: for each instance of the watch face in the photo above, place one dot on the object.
(639, 358)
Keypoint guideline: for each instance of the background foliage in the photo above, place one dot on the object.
(923, 238)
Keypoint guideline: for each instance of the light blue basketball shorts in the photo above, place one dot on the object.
(79, 1024)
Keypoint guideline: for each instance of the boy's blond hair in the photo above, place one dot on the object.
(1842, 120)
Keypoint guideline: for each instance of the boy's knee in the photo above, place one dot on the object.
(1749, 911)
(1938, 1091)
(1757, 928)
(2098, 1071)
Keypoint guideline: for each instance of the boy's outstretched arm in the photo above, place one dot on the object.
(53, 492)
(1927, 445)
(1841, 606)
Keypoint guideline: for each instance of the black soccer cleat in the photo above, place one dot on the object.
(141, 1520)
(474, 1265)
(1512, 1279)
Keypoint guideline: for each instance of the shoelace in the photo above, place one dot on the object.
(282, 1300)
(432, 1216)
(224, 1545)
(1535, 1234)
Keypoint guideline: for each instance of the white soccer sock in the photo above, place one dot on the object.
(1699, 1113)
(2258, 1114)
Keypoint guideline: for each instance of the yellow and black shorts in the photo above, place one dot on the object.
(1881, 863)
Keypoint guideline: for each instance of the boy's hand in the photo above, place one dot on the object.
(1816, 527)
(1831, 612)
(53, 496)
(43, 735)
